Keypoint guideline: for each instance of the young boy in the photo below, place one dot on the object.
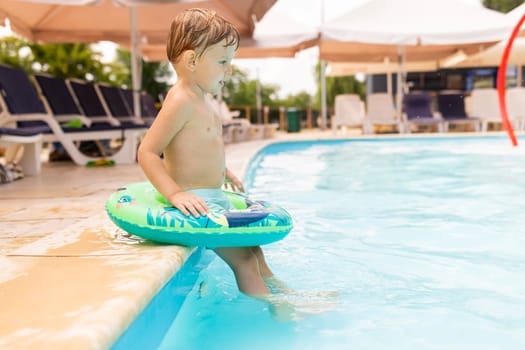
(200, 46)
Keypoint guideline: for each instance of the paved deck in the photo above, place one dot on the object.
(69, 279)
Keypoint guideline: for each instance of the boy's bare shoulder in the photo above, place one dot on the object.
(178, 104)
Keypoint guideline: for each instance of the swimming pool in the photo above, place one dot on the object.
(422, 238)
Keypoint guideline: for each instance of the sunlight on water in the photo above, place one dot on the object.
(424, 240)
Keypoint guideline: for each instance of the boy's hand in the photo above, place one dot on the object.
(189, 203)
(233, 183)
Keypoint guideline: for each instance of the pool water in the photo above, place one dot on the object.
(423, 239)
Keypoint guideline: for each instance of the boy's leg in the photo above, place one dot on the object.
(275, 284)
(264, 269)
(243, 262)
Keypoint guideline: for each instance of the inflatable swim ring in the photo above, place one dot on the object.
(140, 209)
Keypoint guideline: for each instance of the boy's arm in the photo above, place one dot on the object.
(234, 183)
(170, 120)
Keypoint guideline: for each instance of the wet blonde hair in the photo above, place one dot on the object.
(197, 29)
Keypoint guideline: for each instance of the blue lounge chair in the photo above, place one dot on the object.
(148, 110)
(417, 110)
(117, 105)
(451, 106)
(63, 105)
(58, 100)
(94, 107)
(22, 106)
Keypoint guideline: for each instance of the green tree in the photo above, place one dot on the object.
(156, 76)
(16, 52)
(241, 91)
(336, 86)
(301, 100)
(70, 60)
(502, 5)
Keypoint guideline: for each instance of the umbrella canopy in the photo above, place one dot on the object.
(273, 36)
(491, 57)
(336, 69)
(58, 21)
(130, 23)
(426, 30)
(516, 14)
(109, 20)
(284, 46)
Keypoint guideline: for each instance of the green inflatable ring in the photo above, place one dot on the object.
(140, 209)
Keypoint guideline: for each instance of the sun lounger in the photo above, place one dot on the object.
(233, 129)
(31, 139)
(114, 102)
(349, 111)
(148, 110)
(485, 106)
(22, 106)
(417, 111)
(244, 130)
(451, 107)
(380, 111)
(94, 106)
(516, 106)
(64, 105)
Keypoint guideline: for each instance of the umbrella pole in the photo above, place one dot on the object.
(323, 82)
(258, 97)
(323, 96)
(388, 77)
(400, 81)
(135, 67)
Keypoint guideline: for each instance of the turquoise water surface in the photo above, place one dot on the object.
(423, 239)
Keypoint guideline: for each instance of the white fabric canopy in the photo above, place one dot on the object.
(516, 14)
(418, 22)
(491, 57)
(274, 35)
(428, 29)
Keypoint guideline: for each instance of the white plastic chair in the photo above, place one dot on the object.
(349, 111)
(516, 106)
(380, 111)
(485, 105)
(244, 130)
(235, 129)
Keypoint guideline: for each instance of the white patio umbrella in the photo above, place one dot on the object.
(491, 57)
(516, 13)
(415, 30)
(130, 23)
(274, 35)
(425, 28)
